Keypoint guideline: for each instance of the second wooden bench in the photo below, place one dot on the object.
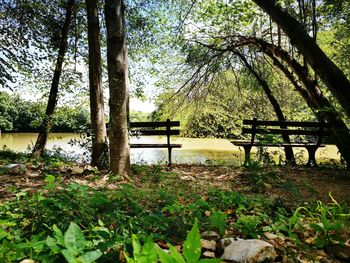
(314, 133)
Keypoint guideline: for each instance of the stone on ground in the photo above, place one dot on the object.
(247, 251)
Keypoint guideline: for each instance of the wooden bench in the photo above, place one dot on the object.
(313, 132)
(156, 128)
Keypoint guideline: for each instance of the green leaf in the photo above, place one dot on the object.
(149, 251)
(165, 257)
(177, 257)
(136, 246)
(69, 256)
(90, 256)
(218, 220)
(192, 245)
(210, 260)
(317, 227)
(52, 244)
(74, 239)
(58, 235)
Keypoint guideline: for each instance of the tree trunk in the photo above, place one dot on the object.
(328, 72)
(52, 102)
(280, 116)
(118, 87)
(98, 125)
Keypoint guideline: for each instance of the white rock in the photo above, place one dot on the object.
(208, 244)
(209, 254)
(247, 251)
(27, 261)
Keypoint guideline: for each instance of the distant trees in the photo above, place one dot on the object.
(18, 115)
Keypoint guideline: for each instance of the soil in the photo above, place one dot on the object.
(295, 184)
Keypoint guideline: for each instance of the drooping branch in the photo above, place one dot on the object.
(328, 72)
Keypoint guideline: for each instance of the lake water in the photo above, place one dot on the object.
(194, 150)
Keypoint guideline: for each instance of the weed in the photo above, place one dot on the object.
(218, 221)
(248, 225)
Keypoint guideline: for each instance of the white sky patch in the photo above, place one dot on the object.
(139, 105)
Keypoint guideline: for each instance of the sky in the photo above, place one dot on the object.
(138, 105)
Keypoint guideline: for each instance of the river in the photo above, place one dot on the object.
(194, 150)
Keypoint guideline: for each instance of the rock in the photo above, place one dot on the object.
(247, 251)
(270, 236)
(27, 261)
(209, 254)
(77, 170)
(210, 235)
(208, 244)
(15, 168)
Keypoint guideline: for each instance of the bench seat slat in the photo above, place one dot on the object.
(283, 131)
(150, 145)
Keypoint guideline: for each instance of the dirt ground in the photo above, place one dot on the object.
(296, 184)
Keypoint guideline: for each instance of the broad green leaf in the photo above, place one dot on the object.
(165, 257)
(68, 255)
(74, 239)
(90, 256)
(149, 251)
(176, 255)
(136, 246)
(192, 245)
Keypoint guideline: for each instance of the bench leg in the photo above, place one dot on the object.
(169, 156)
(312, 160)
(247, 160)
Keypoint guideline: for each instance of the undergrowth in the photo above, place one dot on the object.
(78, 223)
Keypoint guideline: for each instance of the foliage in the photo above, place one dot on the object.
(150, 252)
(67, 220)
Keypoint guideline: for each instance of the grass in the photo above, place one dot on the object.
(106, 213)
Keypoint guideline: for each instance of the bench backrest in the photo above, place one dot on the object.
(150, 128)
(317, 129)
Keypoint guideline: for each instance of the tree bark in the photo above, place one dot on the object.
(328, 72)
(118, 87)
(274, 103)
(98, 125)
(52, 102)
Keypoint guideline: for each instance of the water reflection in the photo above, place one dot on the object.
(194, 150)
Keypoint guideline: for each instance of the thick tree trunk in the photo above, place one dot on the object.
(274, 103)
(98, 125)
(328, 72)
(118, 87)
(52, 102)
